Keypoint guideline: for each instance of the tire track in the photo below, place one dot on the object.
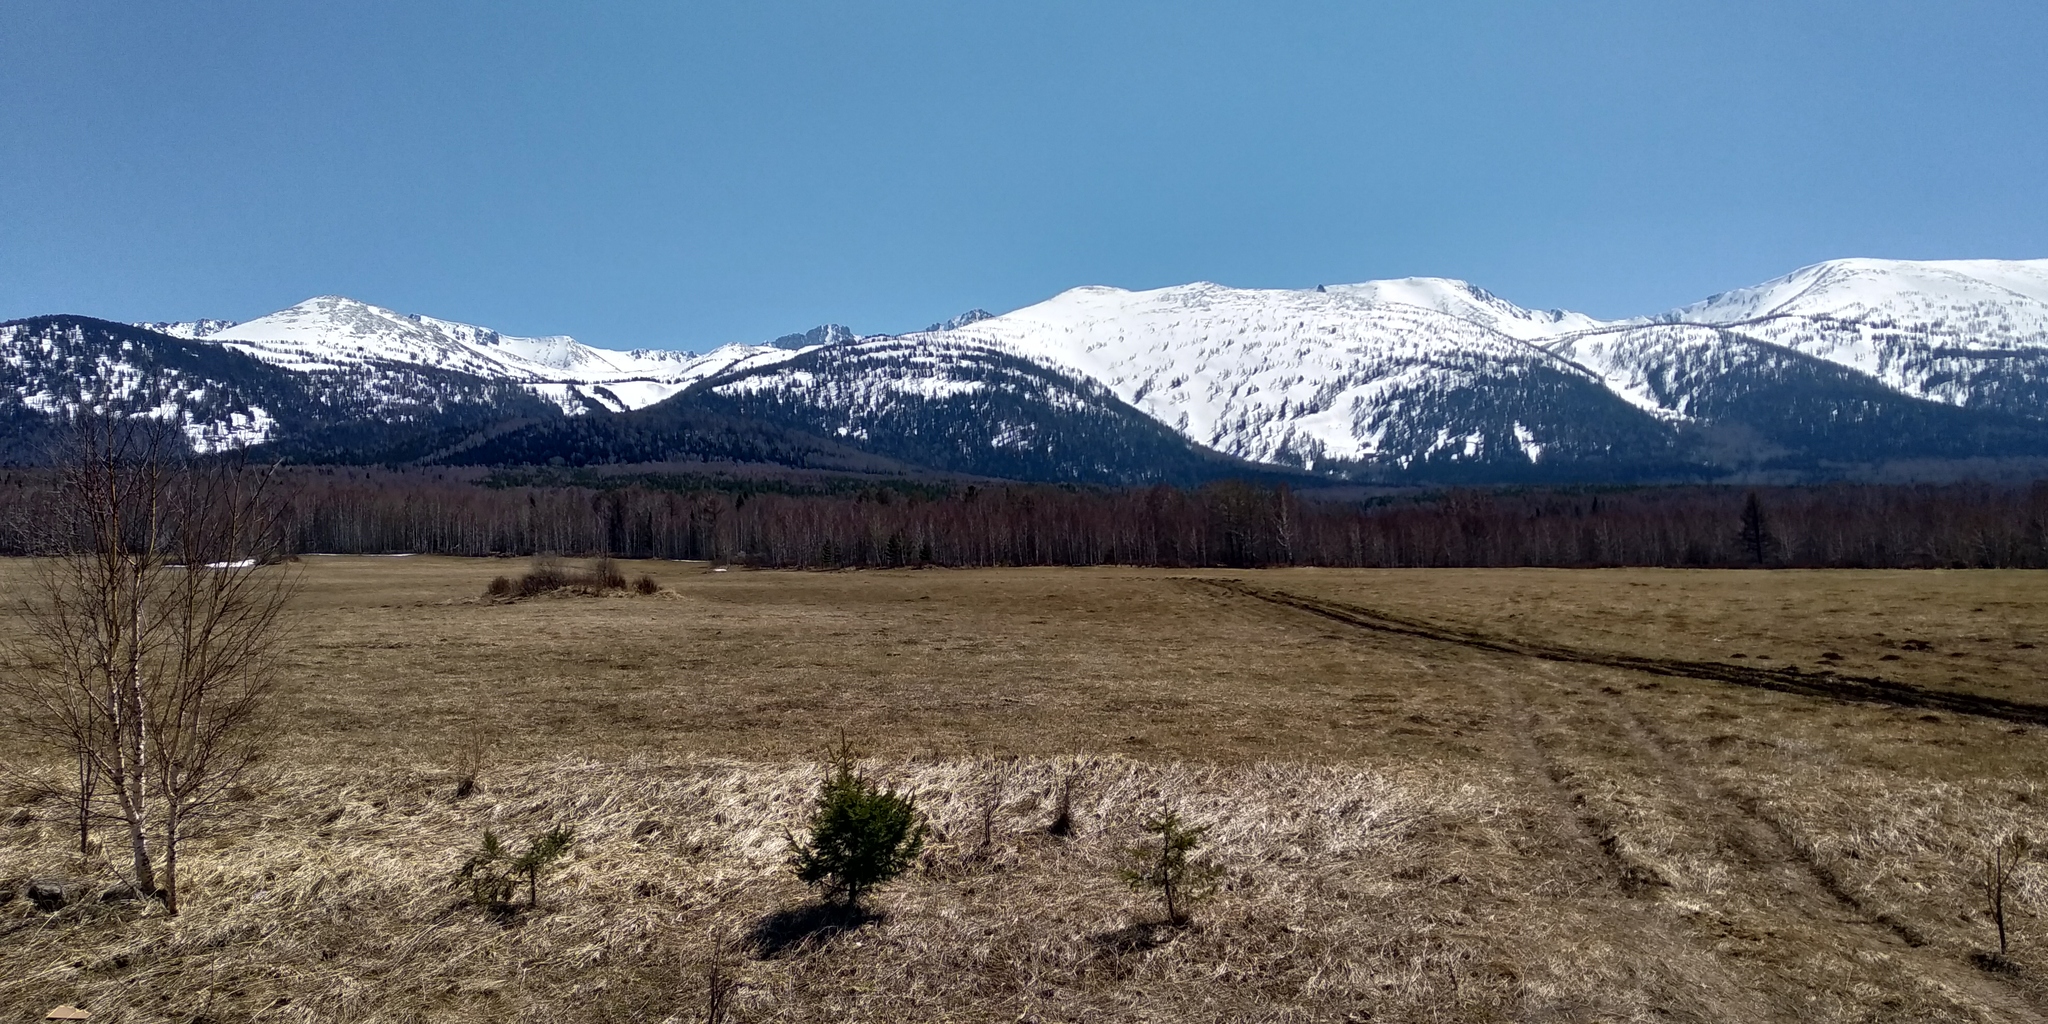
(1768, 848)
(1826, 685)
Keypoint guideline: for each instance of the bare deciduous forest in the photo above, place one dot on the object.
(893, 523)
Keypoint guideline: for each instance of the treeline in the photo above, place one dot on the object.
(1226, 524)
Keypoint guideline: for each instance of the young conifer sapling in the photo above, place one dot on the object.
(1165, 863)
(858, 836)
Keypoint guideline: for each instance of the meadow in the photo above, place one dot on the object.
(1436, 794)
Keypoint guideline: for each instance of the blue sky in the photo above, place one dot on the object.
(686, 174)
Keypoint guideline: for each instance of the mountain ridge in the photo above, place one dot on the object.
(1396, 378)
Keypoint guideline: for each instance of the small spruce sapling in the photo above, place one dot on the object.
(1164, 864)
(859, 836)
(541, 853)
(487, 873)
(492, 874)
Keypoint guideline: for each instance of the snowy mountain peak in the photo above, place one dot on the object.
(823, 334)
(1963, 332)
(1451, 297)
(972, 316)
(1853, 289)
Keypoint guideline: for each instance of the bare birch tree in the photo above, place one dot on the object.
(154, 627)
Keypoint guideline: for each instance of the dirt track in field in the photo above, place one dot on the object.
(1829, 685)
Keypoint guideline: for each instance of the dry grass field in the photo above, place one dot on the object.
(1439, 795)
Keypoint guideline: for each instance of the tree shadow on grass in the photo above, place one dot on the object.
(811, 926)
(1134, 938)
(1996, 963)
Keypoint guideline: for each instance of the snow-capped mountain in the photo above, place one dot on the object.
(1833, 363)
(331, 332)
(2007, 296)
(951, 402)
(1341, 376)
(1842, 364)
(1741, 403)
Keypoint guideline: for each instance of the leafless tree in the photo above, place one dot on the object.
(154, 627)
(1286, 519)
(2005, 856)
(989, 805)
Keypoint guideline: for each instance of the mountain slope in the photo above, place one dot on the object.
(953, 404)
(1470, 303)
(941, 405)
(58, 365)
(670, 432)
(1749, 404)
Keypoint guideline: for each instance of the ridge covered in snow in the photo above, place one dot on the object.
(190, 330)
(1346, 372)
(1869, 289)
(332, 332)
(1839, 360)
(1469, 302)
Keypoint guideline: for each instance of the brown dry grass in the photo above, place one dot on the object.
(1414, 830)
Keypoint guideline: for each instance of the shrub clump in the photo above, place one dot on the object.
(550, 576)
(859, 836)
